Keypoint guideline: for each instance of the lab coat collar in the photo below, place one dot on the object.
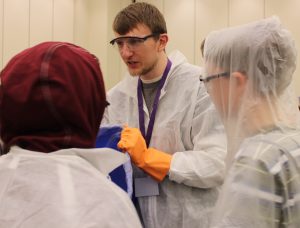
(103, 159)
(129, 85)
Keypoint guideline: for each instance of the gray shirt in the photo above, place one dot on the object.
(149, 92)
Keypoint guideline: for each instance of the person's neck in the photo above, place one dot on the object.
(262, 118)
(157, 71)
(253, 120)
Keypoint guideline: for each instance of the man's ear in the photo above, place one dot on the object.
(163, 40)
(240, 80)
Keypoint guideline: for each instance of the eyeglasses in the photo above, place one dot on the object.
(132, 42)
(211, 77)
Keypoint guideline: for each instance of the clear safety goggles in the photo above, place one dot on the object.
(131, 42)
(206, 79)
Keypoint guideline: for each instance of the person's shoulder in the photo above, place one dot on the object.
(115, 201)
(181, 64)
(273, 149)
(124, 87)
(191, 67)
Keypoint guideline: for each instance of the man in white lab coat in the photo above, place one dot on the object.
(174, 136)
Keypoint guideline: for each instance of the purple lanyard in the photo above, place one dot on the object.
(147, 136)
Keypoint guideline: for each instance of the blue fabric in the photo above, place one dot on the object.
(109, 137)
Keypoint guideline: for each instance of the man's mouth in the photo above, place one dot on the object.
(132, 64)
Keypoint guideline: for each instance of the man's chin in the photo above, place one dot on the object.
(134, 73)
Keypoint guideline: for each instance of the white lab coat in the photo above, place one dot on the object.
(64, 189)
(186, 126)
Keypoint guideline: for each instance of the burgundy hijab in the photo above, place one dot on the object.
(52, 97)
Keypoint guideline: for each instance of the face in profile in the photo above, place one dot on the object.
(217, 85)
(225, 90)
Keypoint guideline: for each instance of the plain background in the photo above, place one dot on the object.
(24, 23)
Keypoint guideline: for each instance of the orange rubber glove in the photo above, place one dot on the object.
(154, 162)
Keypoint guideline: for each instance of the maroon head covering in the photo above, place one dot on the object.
(52, 97)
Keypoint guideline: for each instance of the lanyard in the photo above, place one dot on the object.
(147, 136)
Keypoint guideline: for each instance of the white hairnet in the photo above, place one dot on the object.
(264, 52)
(248, 74)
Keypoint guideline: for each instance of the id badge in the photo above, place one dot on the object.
(145, 186)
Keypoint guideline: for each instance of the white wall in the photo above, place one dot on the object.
(15, 12)
(24, 23)
(91, 28)
(93, 31)
(189, 21)
(88, 24)
(41, 20)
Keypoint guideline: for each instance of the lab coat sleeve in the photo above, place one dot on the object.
(204, 166)
(121, 105)
(105, 118)
(106, 115)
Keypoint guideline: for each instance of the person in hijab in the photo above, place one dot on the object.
(52, 99)
(248, 74)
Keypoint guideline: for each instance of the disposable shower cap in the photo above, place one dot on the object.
(248, 74)
(264, 53)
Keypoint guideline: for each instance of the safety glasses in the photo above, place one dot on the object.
(132, 42)
(214, 76)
